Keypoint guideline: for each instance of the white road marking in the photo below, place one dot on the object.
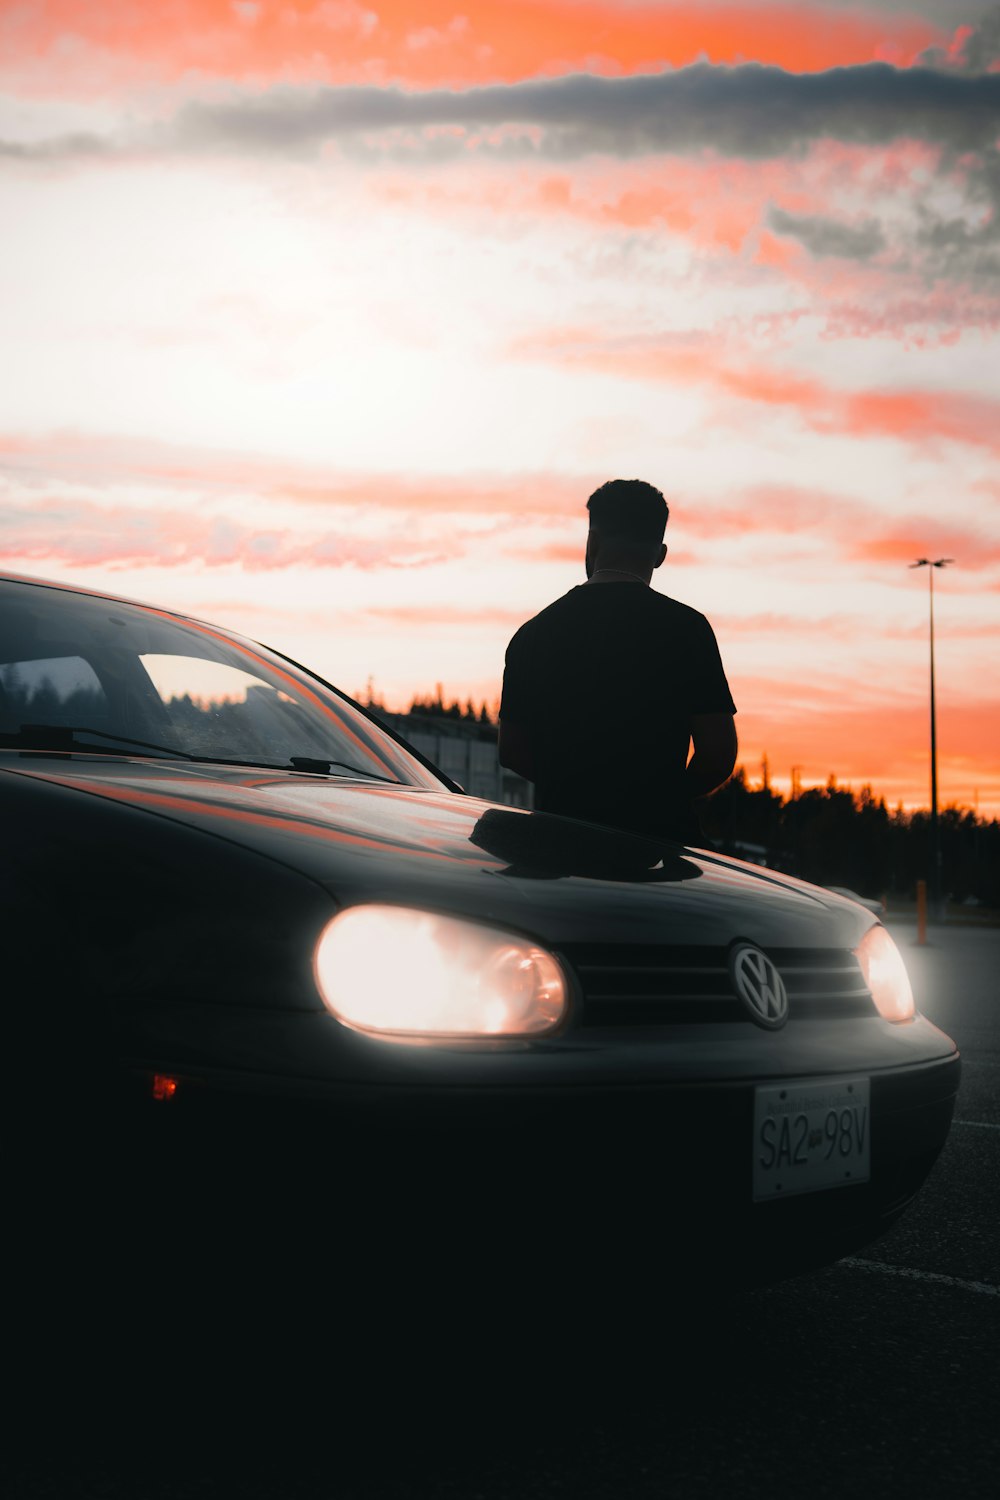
(977, 1124)
(984, 1287)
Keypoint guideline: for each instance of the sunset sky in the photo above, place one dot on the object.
(322, 318)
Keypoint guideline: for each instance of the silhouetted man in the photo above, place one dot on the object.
(605, 691)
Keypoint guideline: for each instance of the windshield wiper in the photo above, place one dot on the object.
(62, 738)
(325, 767)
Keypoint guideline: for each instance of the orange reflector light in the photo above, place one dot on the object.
(164, 1087)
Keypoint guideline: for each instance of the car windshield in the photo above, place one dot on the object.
(78, 671)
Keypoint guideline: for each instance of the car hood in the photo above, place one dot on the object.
(555, 877)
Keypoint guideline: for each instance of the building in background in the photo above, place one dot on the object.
(465, 749)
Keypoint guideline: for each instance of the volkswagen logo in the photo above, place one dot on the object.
(759, 986)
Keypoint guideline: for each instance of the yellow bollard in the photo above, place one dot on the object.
(921, 912)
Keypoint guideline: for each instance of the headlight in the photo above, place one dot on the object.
(403, 973)
(885, 975)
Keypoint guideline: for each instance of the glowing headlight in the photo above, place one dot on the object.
(397, 972)
(885, 975)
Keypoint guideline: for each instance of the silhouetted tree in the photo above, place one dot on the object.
(832, 836)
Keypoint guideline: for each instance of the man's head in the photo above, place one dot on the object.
(627, 520)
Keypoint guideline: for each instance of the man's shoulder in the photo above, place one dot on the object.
(550, 614)
(678, 614)
(582, 598)
(630, 607)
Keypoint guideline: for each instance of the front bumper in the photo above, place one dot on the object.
(629, 1178)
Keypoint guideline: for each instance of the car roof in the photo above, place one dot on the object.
(92, 593)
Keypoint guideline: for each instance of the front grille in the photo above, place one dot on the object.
(669, 985)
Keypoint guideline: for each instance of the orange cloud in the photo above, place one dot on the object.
(777, 254)
(781, 510)
(713, 201)
(445, 616)
(197, 491)
(847, 528)
(852, 630)
(79, 534)
(916, 415)
(105, 461)
(920, 418)
(90, 48)
(975, 550)
(722, 206)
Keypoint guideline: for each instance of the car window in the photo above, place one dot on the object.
(214, 707)
(140, 673)
(50, 690)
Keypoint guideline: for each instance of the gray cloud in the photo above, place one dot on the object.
(966, 245)
(59, 148)
(976, 52)
(823, 236)
(949, 13)
(952, 13)
(750, 111)
(983, 47)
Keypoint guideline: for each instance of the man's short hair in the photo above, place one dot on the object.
(629, 508)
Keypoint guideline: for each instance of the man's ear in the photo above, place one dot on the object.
(591, 548)
(659, 561)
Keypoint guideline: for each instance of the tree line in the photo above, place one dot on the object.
(478, 723)
(834, 836)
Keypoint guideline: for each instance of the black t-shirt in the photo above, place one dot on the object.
(605, 681)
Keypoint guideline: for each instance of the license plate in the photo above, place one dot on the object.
(809, 1135)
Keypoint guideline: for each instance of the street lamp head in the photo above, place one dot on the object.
(942, 562)
(921, 562)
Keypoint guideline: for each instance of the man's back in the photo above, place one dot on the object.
(606, 681)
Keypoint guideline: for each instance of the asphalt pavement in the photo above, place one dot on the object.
(880, 1374)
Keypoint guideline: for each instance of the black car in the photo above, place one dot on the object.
(247, 924)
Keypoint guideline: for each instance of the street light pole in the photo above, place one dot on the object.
(935, 872)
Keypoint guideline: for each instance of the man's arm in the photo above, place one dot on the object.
(714, 739)
(514, 747)
(517, 706)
